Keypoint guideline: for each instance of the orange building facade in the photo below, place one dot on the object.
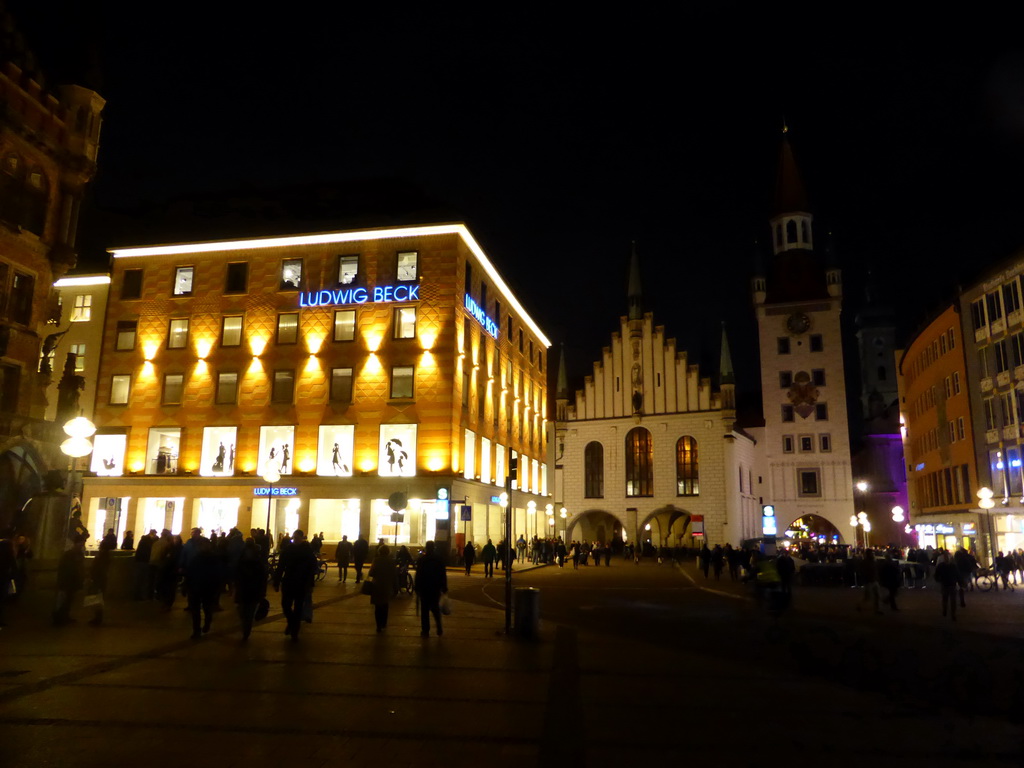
(938, 440)
(306, 381)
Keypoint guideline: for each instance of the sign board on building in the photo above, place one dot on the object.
(341, 297)
(697, 525)
(274, 490)
(466, 513)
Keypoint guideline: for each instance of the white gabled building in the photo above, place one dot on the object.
(648, 448)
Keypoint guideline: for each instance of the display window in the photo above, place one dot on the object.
(276, 446)
(108, 455)
(217, 515)
(485, 460)
(469, 468)
(162, 450)
(334, 454)
(218, 458)
(160, 513)
(397, 454)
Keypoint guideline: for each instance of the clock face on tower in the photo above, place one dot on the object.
(798, 322)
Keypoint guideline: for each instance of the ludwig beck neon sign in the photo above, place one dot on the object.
(341, 297)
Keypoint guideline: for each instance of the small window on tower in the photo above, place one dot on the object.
(783, 343)
(817, 345)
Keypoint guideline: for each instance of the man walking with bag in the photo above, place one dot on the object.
(296, 572)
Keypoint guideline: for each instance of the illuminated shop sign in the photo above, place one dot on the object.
(481, 317)
(344, 296)
(969, 529)
(283, 490)
(931, 530)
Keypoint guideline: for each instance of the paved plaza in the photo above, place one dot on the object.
(138, 691)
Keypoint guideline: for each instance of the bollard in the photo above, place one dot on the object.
(526, 602)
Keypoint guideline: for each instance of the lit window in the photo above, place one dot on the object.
(126, 332)
(79, 351)
(183, 281)
(120, 388)
(348, 268)
(227, 388)
(401, 381)
(288, 328)
(341, 385)
(284, 387)
(407, 265)
(405, 322)
(177, 333)
(639, 463)
(291, 274)
(162, 451)
(82, 311)
(687, 467)
(231, 331)
(174, 385)
(344, 325)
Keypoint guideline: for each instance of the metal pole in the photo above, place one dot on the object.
(508, 564)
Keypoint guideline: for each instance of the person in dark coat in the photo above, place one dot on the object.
(143, 583)
(431, 583)
(360, 552)
(384, 574)
(344, 557)
(889, 579)
(717, 561)
(128, 542)
(70, 578)
(250, 584)
(949, 581)
(487, 555)
(203, 581)
(98, 578)
(469, 556)
(784, 566)
(296, 571)
(705, 559)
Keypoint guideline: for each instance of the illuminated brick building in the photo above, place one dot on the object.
(49, 143)
(938, 440)
(357, 364)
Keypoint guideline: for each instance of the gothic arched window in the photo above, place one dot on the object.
(791, 231)
(687, 467)
(593, 471)
(639, 463)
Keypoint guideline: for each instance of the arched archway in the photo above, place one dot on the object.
(21, 477)
(664, 527)
(813, 528)
(596, 525)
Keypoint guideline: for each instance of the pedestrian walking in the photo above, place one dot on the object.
(384, 576)
(786, 569)
(468, 556)
(202, 574)
(869, 571)
(946, 575)
(98, 580)
(70, 578)
(717, 561)
(889, 579)
(250, 585)
(344, 556)
(431, 583)
(487, 555)
(296, 572)
(360, 553)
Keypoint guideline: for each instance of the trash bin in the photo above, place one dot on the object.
(526, 609)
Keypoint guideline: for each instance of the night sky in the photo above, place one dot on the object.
(561, 138)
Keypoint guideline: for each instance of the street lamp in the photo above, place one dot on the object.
(897, 514)
(271, 474)
(78, 445)
(564, 513)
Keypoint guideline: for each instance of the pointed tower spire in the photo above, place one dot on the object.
(636, 311)
(728, 383)
(791, 221)
(725, 361)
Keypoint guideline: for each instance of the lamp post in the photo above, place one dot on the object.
(271, 474)
(78, 445)
(986, 503)
(564, 514)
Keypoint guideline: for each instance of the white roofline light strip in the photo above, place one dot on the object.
(327, 238)
(73, 282)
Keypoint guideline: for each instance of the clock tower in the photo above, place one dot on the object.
(798, 300)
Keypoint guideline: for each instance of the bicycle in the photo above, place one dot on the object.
(321, 569)
(405, 580)
(989, 578)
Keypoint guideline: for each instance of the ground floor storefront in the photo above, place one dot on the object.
(984, 533)
(456, 510)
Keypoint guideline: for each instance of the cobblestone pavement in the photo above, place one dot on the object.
(137, 691)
